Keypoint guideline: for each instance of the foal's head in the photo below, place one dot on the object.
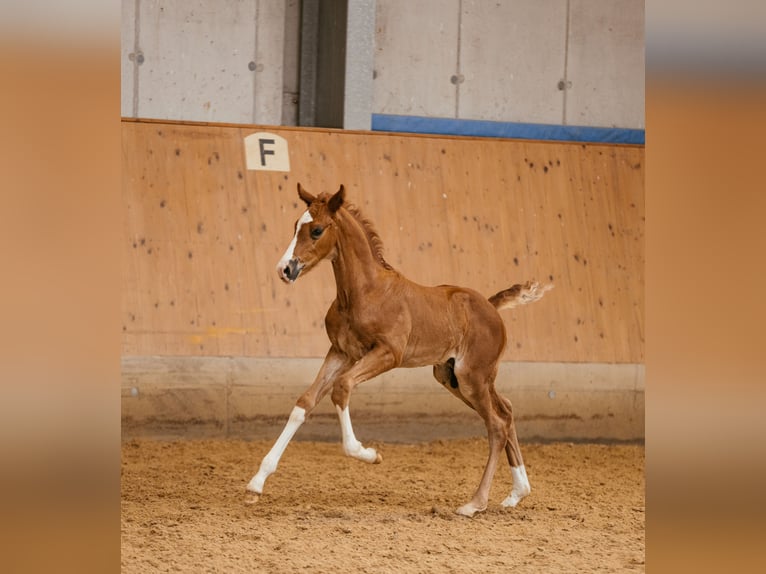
(315, 234)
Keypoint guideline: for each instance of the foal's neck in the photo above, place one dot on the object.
(355, 266)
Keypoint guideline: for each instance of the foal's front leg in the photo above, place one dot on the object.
(377, 361)
(351, 445)
(334, 363)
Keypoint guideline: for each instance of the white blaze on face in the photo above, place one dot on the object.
(305, 218)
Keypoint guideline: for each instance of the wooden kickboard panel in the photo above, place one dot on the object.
(203, 235)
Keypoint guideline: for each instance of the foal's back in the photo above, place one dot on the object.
(446, 321)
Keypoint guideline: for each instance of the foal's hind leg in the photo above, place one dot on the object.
(521, 487)
(445, 374)
(475, 389)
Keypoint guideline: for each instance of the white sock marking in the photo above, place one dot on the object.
(271, 460)
(305, 218)
(351, 446)
(521, 487)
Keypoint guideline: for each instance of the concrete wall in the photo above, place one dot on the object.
(209, 60)
(576, 62)
(251, 397)
(572, 62)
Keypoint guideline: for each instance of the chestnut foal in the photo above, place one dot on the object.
(380, 320)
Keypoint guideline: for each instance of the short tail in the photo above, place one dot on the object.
(519, 295)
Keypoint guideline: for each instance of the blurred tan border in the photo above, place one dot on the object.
(59, 299)
(705, 282)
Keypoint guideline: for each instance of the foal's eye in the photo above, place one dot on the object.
(316, 233)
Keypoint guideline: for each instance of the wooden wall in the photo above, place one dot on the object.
(203, 235)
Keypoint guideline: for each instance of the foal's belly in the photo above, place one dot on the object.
(415, 352)
(419, 355)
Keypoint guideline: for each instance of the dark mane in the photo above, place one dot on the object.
(372, 236)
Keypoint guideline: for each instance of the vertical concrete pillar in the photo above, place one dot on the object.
(360, 58)
(268, 63)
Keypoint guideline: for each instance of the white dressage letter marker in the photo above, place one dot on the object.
(267, 152)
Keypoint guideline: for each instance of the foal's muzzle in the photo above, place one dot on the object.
(289, 272)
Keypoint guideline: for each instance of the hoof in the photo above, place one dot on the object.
(468, 510)
(252, 498)
(378, 459)
(515, 497)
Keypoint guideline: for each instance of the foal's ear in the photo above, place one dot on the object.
(337, 200)
(307, 198)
